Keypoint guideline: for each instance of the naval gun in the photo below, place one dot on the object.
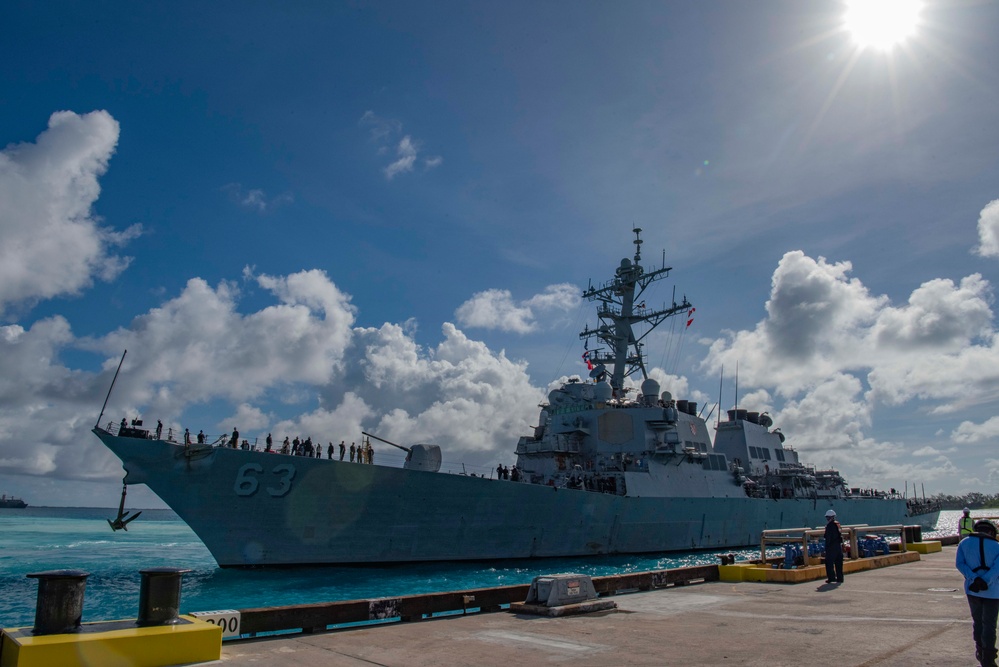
(418, 457)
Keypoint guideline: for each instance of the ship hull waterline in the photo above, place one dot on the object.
(253, 508)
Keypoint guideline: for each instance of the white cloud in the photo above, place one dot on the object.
(255, 199)
(988, 230)
(407, 151)
(816, 319)
(383, 133)
(820, 322)
(938, 316)
(834, 352)
(51, 243)
(460, 394)
(246, 418)
(344, 422)
(198, 348)
(496, 308)
(382, 129)
(970, 432)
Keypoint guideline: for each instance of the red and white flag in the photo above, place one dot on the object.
(586, 358)
(690, 316)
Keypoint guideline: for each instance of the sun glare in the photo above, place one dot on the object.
(881, 24)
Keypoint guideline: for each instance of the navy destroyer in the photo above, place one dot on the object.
(615, 465)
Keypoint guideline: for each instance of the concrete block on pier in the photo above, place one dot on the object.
(930, 547)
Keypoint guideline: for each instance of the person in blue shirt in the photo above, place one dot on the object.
(978, 562)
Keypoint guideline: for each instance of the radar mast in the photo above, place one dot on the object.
(618, 313)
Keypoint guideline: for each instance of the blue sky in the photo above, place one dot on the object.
(315, 218)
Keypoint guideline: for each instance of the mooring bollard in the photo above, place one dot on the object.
(159, 596)
(59, 609)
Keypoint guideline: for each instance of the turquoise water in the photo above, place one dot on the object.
(40, 539)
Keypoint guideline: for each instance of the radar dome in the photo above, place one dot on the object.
(603, 392)
(667, 397)
(650, 388)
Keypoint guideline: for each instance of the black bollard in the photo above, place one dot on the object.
(159, 596)
(59, 609)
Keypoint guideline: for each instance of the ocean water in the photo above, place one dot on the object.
(40, 539)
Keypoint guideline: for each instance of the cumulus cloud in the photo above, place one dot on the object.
(939, 315)
(816, 316)
(497, 309)
(821, 322)
(832, 352)
(199, 348)
(988, 230)
(970, 432)
(249, 418)
(459, 394)
(383, 133)
(51, 243)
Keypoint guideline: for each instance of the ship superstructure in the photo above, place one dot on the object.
(598, 437)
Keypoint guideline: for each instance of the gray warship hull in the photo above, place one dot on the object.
(254, 508)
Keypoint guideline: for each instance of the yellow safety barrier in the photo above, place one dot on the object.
(122, 643)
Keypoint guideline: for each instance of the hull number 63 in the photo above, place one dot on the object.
(248, 479)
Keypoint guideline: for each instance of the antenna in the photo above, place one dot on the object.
(721, 379)
(737, 387)
(101, 416)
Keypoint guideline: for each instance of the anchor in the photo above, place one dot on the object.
(122, 520)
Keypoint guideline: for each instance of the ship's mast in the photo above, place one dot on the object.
(617, 314)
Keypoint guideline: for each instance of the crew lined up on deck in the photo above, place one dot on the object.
(362, 453)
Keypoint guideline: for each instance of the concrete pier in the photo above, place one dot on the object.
(906, 615)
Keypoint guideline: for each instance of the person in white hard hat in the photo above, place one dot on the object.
(834, 549)
(966, 523)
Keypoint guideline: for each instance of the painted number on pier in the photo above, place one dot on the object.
(227, 619)
(248, 479)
